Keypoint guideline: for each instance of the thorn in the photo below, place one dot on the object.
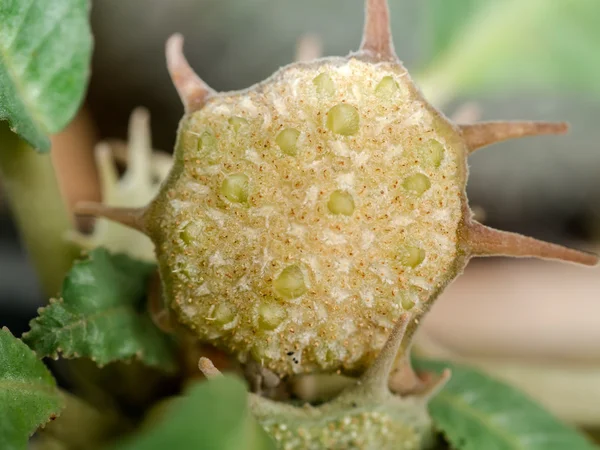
(433, 384)
(485, 241)
(130, 217)
(192, 90)
(208, 369)
(374, 381)
(309, 47)
(377, 34)
(482, 134)
(139, 147)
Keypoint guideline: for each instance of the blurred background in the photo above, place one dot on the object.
(534, 323)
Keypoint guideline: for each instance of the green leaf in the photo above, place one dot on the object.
(212, 415)
(28, 393)
(479, 45)
(45, 51)
(477, 412)
(102, 315)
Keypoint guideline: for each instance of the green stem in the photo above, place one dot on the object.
(38, 208)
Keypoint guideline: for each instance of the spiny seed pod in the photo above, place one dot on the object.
(305, 214)
(365, 415)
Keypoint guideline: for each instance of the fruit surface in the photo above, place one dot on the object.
(305, 214)
(308, 212)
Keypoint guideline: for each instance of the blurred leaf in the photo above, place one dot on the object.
(47, 443)
(488, 45)
(477, 412)
(28, 393)
(212, 415)
(82, 426)
(117, 386)
(45, 51)
(102, 315)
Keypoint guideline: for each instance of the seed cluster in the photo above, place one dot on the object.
(305, 214)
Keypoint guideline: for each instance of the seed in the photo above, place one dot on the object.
(324, 84)
(287, 139)
(433, 152)
(186, 237)
(223, 314)
(207, 142)
(343, 119)
(237, 122)
(341, 202)
(407, 303)
(235, 188)
(411, 256)
(270, 315)
(409, 298)
(417, 183)
(290, 283)
(386, 87)
(190, 233)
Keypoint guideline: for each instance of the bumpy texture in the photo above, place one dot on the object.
(315, 216)
(305, 214)
(365, 415)
(374, 428)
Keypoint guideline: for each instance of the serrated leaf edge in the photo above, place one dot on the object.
(60, 352)
(55, 389)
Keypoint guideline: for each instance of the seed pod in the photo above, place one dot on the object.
(301, 248)
(365, 415)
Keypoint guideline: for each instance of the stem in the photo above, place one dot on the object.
(38, 208)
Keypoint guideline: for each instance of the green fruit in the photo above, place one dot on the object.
(372, 208)
(322, 231)
(305, 263)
